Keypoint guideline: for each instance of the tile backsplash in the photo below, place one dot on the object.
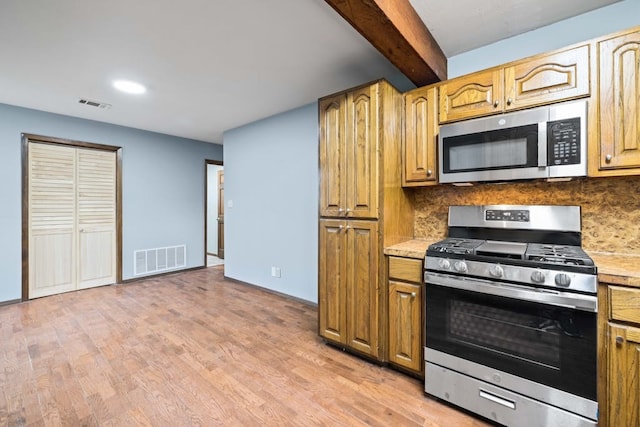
(610, 207)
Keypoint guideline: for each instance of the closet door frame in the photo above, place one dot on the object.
(28, 138)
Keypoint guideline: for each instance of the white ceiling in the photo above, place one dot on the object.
(213, 65)
(463, 25)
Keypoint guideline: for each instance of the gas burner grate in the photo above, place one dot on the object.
(558, 254)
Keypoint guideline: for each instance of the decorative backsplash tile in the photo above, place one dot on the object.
(610, 207)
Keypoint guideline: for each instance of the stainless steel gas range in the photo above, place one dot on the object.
(511, 311)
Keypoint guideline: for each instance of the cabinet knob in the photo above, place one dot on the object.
(347, 212)
(496, 103)
(340, 227)
(413, 294)
(608, 158)
(509, 101)
(619, 340)
(340, 210)
(348, 227)
(429, 172)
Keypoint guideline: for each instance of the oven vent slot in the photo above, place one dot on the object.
(156, 260)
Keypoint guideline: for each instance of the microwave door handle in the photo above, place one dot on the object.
(542, 144)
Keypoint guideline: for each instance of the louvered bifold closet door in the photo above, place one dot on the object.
(96, 201)
(52, 212)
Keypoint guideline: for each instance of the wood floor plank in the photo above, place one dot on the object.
(193, 349)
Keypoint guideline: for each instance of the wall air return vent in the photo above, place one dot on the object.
(97, 104)
(157, 260)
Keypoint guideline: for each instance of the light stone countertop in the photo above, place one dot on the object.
(613, 268)
(617, 269)
(416, 248)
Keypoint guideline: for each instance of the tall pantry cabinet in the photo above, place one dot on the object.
(363, 208)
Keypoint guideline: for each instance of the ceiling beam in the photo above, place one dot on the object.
(395, 29)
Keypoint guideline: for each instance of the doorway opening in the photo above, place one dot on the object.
(214, 213)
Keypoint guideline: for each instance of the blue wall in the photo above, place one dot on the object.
(271, 178)
(599, 22)
(163, 187)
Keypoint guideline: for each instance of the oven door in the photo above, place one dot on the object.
(509, 329)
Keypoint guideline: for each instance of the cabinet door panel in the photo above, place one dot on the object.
(620, 102)
(405, 325)
(362, 286)
(624, 376)
(362, 153)
(421, 116)
(477, 94)
(332, 155)
(331, 290)
(551, 78)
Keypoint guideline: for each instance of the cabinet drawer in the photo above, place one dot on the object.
(407, 269)
(624, 304)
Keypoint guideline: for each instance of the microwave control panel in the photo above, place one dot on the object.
(563, 142)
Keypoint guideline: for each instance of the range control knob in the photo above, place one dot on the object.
(460, 266)
(496, 271)
(444, 263)
(537, 276)
(563, 279)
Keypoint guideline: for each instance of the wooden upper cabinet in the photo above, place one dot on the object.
(473, 95)
(542, 79)
(419, 151)
(548, 78)
(333, 119)
(619, 109)
(349, 154)
(362, 153)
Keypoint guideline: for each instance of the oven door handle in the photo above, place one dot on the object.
(525, 293)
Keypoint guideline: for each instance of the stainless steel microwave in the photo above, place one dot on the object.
(543, 142)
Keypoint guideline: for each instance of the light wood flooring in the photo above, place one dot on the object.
(192, 349)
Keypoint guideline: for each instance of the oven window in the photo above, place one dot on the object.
(528, 336)
(546, 344)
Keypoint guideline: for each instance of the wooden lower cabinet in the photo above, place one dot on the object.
(406, 327)
(623, 376)
(349, 294)
(620, 360)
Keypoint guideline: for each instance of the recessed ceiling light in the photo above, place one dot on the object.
(129, 87)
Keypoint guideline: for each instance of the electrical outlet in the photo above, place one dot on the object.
(275, 272)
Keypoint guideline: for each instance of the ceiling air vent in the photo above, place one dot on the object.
(90, 103)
